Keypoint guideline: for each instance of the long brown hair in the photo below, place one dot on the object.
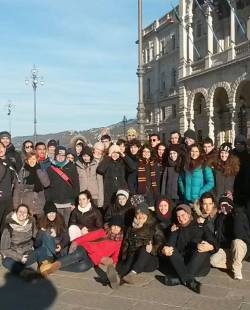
(58, 224)
(192, 164)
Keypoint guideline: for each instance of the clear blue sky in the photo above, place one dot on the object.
(87, 54)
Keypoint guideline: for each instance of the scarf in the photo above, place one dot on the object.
(85, 209)
(114, 237)
(142, 177)
(32, 178)
(60, 164)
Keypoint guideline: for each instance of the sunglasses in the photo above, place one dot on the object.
(153, 140)
(29, 146)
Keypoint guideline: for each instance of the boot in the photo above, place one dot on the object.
(112, 276)
(194, 286)
(133, 278)
(44, 266)
(171, 281)
(52, 268)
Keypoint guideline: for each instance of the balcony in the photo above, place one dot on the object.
(198, 65)
(221, 58)
(242, 49)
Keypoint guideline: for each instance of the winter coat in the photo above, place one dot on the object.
(136, 238)
(24, 193)
(127, 212)
(14, 157)
(60, 191)
(97, 246)
(90, 180)
(169, 185)
(223, 183)
(241, 227)
(91, 219)
(6, 180)
(114, 175)
(61, 239)
(192, 184)
(132, 177)
(17, 240)
(185, 239)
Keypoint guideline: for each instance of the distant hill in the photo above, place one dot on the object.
(92, 135)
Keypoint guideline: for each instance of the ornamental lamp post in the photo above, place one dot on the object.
(35, 80)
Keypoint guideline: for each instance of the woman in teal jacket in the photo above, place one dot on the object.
(196, 178)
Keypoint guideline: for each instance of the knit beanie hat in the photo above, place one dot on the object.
(174, 147)
(190, 134)
(116, 220)
(71, 151)
(87, 151)
(131, 132)
(143, 208)
(184, 207)
(99, 146)
(4, 134)
(123, 192)
(240, 139)
(49, 207)
(60, 148)
(227, 147)
(52, 142)
(114, 149)
(137, 199)
(226, 203)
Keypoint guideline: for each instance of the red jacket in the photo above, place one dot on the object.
(97, 249)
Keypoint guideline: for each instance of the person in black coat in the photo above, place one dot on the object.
(163, 210)
(12, 155)
(114, 168)
(188, 249)
(133, 153)
(64, 183)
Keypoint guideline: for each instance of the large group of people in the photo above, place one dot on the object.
(126, 207)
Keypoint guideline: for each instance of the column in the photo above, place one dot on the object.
(183, 39)
(190, 43)
(210, 38)
(183, 121)
(210, 115)
(232, 33)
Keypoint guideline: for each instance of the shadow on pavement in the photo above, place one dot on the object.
(18, 294)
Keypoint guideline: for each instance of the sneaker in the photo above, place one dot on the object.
(238, 276)
(112, 276)
(194, 286)
(134, 278)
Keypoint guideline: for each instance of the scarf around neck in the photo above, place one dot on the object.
(86, 209)
(32, 178)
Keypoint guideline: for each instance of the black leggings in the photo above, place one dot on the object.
(140, 261)
(77, 261)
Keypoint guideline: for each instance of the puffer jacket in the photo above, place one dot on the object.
(90, 180)
(192, 184)
(17, 240)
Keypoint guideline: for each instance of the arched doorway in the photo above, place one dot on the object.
(243, 108)
(222, 117)
(200, 117)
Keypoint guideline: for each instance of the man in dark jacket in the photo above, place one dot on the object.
(13, 157)
(64, 183)
(188, 249)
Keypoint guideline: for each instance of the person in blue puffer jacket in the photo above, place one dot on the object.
(196, 178)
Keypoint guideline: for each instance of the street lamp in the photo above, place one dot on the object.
(140, 74)
(10, 107)
(124, 120)
(35, 80)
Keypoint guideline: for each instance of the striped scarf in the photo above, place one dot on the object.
(142, 177)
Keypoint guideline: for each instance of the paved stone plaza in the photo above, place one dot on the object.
(74, 291)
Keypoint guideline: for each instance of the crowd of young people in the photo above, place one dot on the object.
(126, 207)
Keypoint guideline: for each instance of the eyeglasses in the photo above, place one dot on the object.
(29, 146)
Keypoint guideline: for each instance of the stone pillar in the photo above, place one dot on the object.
(232, 34)
(234, 123)
(248, 28)
(183, 39)
(210, 38)
(210, 114)
(183, 100)
(190, 43)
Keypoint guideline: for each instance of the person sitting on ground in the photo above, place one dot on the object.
(85, 217)
(163, 210)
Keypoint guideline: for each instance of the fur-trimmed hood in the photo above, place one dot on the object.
(78, 137)
(197, 210)
(229, 168)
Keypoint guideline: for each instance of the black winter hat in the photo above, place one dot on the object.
(190, 134)
(49, 207)
(117, 220)
(87, 150)
(5, 134)
(143, 208)
(226, 146)
(52, 142)
(60, 148)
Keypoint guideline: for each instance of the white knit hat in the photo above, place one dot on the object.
(123, 192)
(114, 149)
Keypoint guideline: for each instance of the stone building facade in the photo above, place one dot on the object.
(196, 70)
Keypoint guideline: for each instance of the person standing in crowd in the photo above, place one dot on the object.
(122, 145)
(29, 189)
(12, 155)
(196, 178)
(242, 182)
(131, 134)
(17, 243)
(141, 244)
(160, 159)
(85, 217)
(133, 153)
(7, 180)
(121, 207)
(154, 140)
(189, 139)
(51, 149)
(40, 149)
(185, 250)
(89, 179)
(175, 138)
(210, 153)
(106, 141)
(64, 183)
(71, 155)
(27, 147)
(226, 167)
(174, 165)
(77, 143)
(98, 151)
(114, 168)
(147, 176)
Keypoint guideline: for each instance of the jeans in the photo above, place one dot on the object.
(77, 261)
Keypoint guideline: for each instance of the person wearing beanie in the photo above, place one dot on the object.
(89, 179)
(226, 167)
(185, 250)
(189, 138)
(114, 168)
(232, 233)
(64, 183)
(98, 151)
(131, 134)
(51, 148)
(122, 207)
(12, 156)
(71, 155)
(52, 234)
(174, 165)
(133, 152)
(141, 245)
(31, 186)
